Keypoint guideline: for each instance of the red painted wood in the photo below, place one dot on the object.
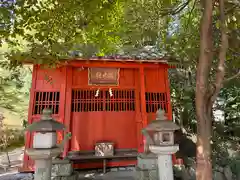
(143, 101)
(56, 75)
(62, 102)
(67, 119)
(138, 117)
(89, 128)
(124, 127)
(154, 79)
(156, 83)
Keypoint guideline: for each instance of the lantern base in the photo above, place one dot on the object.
(164, 150)
(147, 161)
(36, 154)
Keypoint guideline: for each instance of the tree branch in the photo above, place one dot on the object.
(231, 78)
(222, 53)
(30, 69)
(177, 10)
(190, 14)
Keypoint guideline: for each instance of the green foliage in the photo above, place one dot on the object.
(14, 86)
(54, 28)
(183, 95)
(229, 102)
(11, 138)
(14, 89)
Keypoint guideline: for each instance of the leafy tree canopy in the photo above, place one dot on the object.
(53, 29)
(96, 27)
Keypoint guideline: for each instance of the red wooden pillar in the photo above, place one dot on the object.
(62, 101)
(143, 101)
(68, 102)
(138, 117)
(168, 90)
(30, 118)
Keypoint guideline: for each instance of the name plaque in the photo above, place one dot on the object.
(103, 76)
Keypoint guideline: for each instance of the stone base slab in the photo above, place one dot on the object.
(146, 174)
(73, 176)
(62, 169)
(147, 161)
(60, 161)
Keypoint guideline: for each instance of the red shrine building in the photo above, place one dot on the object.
(101, 100)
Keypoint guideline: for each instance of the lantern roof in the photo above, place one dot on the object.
(46, 123)
(162, 123)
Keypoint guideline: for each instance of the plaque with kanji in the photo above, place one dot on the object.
(103, 76)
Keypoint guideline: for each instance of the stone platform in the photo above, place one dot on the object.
(119, 175)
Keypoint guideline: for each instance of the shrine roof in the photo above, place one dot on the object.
(147, 54)
(123, 58)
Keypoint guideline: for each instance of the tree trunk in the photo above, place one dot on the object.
(203, 105)
(206, 93)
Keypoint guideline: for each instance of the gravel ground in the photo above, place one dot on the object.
(16, 176)
(15, 157)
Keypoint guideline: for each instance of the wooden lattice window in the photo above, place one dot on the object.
(121, 100)
(155, 100)
(46, 100)
(87, 101)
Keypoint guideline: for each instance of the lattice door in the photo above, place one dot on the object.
(105, 117)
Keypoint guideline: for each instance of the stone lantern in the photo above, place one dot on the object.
(160, 141)
(44, 144)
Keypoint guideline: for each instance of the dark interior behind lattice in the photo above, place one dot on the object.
(46, 100)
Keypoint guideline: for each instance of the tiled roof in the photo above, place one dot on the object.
(146, 54)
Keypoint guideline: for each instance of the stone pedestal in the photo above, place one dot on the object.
(43, 161)
(147, 167)
(164, 154)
